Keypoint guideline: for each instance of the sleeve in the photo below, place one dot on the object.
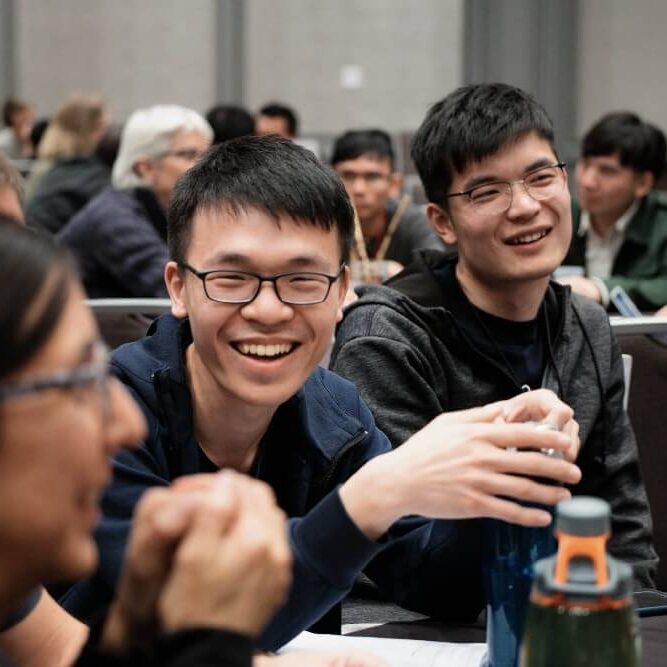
(132, 251)
(648, 293)
(197, 647)
(394, 378)
(26, 606)
(427, 566)
(611, 471)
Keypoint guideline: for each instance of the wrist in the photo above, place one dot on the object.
(372, 497)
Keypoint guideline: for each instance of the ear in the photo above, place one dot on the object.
(144, 168)
(644, 184)
(441, 223)
(174, 278)
(395, 185)
(343, 287)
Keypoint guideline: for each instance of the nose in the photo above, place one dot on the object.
(125, 425)
(522, 205)
(266, 307)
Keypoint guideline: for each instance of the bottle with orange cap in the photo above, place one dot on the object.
(581, 612)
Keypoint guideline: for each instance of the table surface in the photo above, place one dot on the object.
(653, 632)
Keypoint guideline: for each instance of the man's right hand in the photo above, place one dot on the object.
(462, 465)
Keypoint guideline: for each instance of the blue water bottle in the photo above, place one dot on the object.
(510, 553)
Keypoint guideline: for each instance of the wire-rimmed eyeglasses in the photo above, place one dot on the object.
(496, 197)
(299, 288)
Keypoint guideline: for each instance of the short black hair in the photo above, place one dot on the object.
(270, 174)
(639, 145)
(229, 122)
(277, 110)
(470, 124)
(354, 144)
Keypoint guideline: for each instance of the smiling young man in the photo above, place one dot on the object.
(620, 222)
(259, 236)
(452, 332)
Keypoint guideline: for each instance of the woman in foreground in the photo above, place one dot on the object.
(208, 561)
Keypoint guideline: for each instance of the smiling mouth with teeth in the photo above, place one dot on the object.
(529, 238)
(260, 351)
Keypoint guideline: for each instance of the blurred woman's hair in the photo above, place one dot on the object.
(147, 135)
(75, 129)
(35, 277)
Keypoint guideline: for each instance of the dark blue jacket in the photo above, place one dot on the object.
(119, 240)
(316, 441)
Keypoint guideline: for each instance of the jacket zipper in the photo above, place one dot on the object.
(336, 461)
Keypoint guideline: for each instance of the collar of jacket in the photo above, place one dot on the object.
(640, 227)
(324, 412)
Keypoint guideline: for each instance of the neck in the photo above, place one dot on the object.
(516, 301)
(603, 224)
(375, 227)
(228, 430)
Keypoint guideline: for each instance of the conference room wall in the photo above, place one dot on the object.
(622, 59)
(134, 52)
(408, 53)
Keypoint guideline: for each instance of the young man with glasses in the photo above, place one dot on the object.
(449, 333)
(393, 229)
(259, 236)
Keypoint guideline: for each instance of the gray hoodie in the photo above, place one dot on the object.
(405, 348)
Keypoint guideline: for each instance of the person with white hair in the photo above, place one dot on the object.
(119, 238)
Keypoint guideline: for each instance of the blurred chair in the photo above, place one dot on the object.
(647, 407)
(124, 320)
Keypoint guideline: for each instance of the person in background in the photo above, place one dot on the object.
(486, 324)
(15, 140)
(259, 236)
(68, 173)
(275, 118)
(207, 561)
(229, 122)
(620, 220)
(12, 191)
(393, 229)
(119, 237)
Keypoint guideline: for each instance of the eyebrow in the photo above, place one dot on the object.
(489, 178)
(245, 262)
(86, 351)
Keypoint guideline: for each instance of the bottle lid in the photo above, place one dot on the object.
(584, 516)
(583, 524)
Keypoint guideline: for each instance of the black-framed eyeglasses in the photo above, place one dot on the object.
(300, 288)
(496, 197)
(94, 374)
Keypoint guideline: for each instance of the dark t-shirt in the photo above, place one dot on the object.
(518, 347)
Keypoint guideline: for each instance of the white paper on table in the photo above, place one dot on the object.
(396, 652)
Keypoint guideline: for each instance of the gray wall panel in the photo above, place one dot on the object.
(134, 52)
(410, 52)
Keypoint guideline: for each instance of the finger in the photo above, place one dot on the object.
(539, 405)
(572, 429)
(535, 464)
(209, 523)
(523, 489)
(507, 510)
(485, 414)
(522, 436)
(199, 482)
